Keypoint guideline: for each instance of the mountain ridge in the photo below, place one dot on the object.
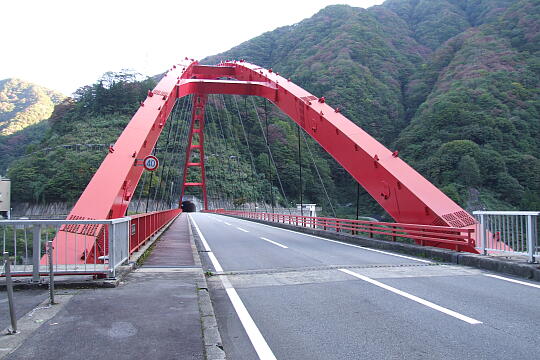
(24, 107)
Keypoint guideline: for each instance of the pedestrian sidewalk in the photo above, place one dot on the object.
(153, 313)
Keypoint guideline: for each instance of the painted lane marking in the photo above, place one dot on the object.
(273, 242)
(512, 280)
(244, 230)
(211, 255)
(346, 244)
(3, 300)
(226, 223)
(257, 340)
(414, 298)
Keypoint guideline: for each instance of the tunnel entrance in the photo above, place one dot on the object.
(188, 206)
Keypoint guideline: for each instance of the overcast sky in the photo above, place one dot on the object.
(65, 44)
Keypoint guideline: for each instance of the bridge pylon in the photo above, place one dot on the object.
(195, 148)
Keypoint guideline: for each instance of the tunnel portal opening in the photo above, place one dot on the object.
(188, 206)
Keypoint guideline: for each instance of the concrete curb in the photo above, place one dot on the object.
(495, 264)
(213, 348)
(74, 281)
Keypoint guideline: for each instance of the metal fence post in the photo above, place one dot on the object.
(531, 241)
(9, 287)
(51, 271)
(128, 236)
(482, 235)
(36, 252)
(112, 263)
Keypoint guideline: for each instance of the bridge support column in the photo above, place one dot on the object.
(196, 143)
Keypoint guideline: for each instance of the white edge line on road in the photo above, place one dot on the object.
(512, 280)
(257, 340)
(273, 242)
(343, 243)
(244, 230)
(414, 298)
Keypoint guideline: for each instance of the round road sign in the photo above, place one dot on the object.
(150, 163)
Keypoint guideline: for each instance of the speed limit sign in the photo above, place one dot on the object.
(150, 163)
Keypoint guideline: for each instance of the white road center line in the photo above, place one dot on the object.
(257, 340)
(273, 242)
(512, 280)
(244, 230)
(346, 244)
(414, 298)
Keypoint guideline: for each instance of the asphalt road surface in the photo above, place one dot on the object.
(279, 294)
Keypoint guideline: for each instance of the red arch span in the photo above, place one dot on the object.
(405, 194)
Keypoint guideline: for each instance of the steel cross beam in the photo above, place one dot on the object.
(406, 195)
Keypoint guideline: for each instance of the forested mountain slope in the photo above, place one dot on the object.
(96, 115)
(23, 108)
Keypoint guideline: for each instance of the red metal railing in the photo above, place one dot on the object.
(143, 226)
(460, 239)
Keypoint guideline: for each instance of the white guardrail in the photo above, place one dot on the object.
(508, 232)
(25, 241)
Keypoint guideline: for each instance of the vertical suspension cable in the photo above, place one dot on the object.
(155, 152)
(176, 149)
(300, 171)
(272, 158)
(246, 187)
(218, 171)
(225, 147)
(357, 200)
(209, 152)
(171, 154)
(269, 165)
(215, 136)
(319, 174)
(236, 142)
(145, 175)
(212, 154)
(165, 153)
(259, 186)
(183, 141)
(247, 140)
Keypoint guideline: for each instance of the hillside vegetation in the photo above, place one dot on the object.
(23, 108)
(452, 84)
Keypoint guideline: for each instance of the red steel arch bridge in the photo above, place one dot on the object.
(419, 209)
